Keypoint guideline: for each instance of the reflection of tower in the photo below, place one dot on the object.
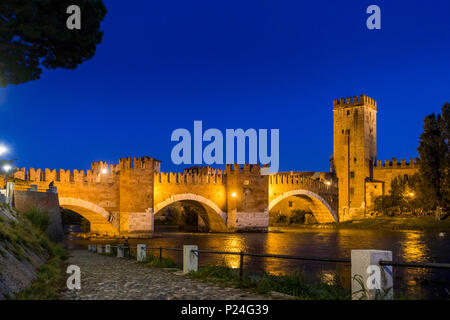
(355, 147)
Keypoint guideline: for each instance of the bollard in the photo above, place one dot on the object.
(100, 248)
(141, 252)
(190, 259)
(108, 248)
(370, 281)
(120, 251)
(89, 247)
(93, 247)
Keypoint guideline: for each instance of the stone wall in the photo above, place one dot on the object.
(24, 201)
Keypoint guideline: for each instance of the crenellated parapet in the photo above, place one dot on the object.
(216, 177)
(139, 163)
(298, 180)
(395, 164)
(355, 102)
(64, 176)
(245, 168)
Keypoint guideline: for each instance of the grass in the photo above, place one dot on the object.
(26, 234)
(294, 285)
(49, 278)
(398, 223)
(154, 261)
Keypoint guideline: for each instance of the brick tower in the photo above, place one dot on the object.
(355, 147)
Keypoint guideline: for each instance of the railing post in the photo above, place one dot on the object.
(93, 247)
(108, 248)
(241, 265)
(190, 259)
(370, 281)
(141, 252)
(100, 248)
(120, 251)
(160, 254)
(89, 247)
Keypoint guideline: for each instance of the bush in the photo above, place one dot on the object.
(38, 218)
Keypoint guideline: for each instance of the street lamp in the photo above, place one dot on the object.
(3, 150)
(7, 167)
(234, 195)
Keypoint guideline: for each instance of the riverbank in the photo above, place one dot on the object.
(379, 223)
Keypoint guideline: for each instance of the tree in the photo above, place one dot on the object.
(33, 35)
(445, 169)
(434, 159)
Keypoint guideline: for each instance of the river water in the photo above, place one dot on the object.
(411, 246)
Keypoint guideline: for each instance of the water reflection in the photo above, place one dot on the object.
(406, 246)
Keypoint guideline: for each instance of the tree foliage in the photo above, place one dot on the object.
(434, 159)
(34, 35)
(430, 188)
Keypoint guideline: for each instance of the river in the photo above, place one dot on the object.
(411, 246)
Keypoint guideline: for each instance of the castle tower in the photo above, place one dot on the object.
(355, 147)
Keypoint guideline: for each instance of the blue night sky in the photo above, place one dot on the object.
(234, 64)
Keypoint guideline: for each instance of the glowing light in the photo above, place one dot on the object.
(7, 167)
(3, 149)
(104, 171)
(234, 194)
(327, 183)
(411, 194)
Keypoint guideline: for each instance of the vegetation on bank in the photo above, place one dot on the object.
(19, 235)
(293, 285)
(49, 279)
(427, 192)
(397, 223)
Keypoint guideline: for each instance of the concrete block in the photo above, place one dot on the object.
(108, 248)
(371, 281)
(190, 259)
(141, 253)
(120, 251)
(100, 248)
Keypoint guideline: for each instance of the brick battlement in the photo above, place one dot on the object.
(354, 102)
(218, 177)
(296, 179)
(61, 175)
(100, 171)
(395, 164)
(249, 168)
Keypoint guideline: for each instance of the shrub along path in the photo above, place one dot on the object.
(106, 277)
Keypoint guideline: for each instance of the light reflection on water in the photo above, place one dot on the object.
(406, 246)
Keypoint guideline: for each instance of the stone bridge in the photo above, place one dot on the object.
(122, 199)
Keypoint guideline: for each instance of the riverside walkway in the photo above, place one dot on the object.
(111, 278)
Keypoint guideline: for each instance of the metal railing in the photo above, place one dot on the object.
(192, 259)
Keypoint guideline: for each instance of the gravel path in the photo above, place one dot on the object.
(104, 277)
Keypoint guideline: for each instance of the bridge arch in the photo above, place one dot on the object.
(96, 215)
(214, 217)
(321, 210)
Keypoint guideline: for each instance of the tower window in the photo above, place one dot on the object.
(405, 177)
(290, 204)
(348, 112)
(352, 174)
(354, 160)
